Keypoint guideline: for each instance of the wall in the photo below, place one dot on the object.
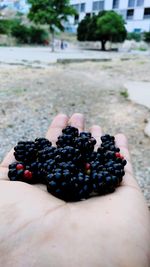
(137, 23)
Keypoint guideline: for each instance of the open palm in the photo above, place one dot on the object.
(37, 229)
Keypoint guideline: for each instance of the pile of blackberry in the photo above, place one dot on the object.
(72, 170)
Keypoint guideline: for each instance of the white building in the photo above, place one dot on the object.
(17, 5)
(135, 12)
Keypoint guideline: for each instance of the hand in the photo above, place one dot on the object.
(37, 229)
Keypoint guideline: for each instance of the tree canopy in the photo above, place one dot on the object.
(106, 26)
(50, 12)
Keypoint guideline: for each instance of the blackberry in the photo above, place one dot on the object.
(14, 173)
(72, 171)
(85, 144)
(65, 140)
(67, 187)
(38, 172)
(69, 153)
(85, 135)
(81, 187)
(47, 153)
(69, 134)
(108, 143)
(58, 183)
(49, 165)
(69, 130)
(25, 151)
(107, 137)
(41, 143)
(19, 172)
(104, 183)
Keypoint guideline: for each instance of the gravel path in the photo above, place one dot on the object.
(30, 97)
(42, 56)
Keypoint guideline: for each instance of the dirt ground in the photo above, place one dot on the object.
(30, 97)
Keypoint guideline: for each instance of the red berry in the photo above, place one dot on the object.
(118, 155)
(87, 166)
(19, 167)
(27, 174)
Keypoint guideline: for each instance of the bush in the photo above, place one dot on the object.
(134, 36)
(82, 29)
(29, 35)
(147, 37)
(21, 33)
(7, 25)
(38, 35)
(4, 27)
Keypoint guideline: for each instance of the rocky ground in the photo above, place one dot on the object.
(30, 97)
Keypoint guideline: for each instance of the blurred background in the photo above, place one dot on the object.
(77, 56)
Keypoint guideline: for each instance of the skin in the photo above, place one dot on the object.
(37, 229)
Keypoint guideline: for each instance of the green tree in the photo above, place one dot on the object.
(6, 25)
(83, 29)
(21, 33)
(91, 33)
(106, 26)
(110, 27)
(51, 12)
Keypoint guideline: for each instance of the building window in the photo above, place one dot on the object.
(130, 14)
(137, 30)
(76, 19)
(98, 5)
(115, 4)
(131, 3)
(79, 7)
(82, 7)
(88, 15)
(140, 3)
(95, 5)
(101, 5)
(76, 7)
(147, 13)
(123, 13)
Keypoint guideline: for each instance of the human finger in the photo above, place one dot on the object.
(96, 132)
(3, 174)
(122, 143)
(9, 158)
(55, 129)
(77, 120)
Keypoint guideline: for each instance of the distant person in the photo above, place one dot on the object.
(65, 44)
(62, 45)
